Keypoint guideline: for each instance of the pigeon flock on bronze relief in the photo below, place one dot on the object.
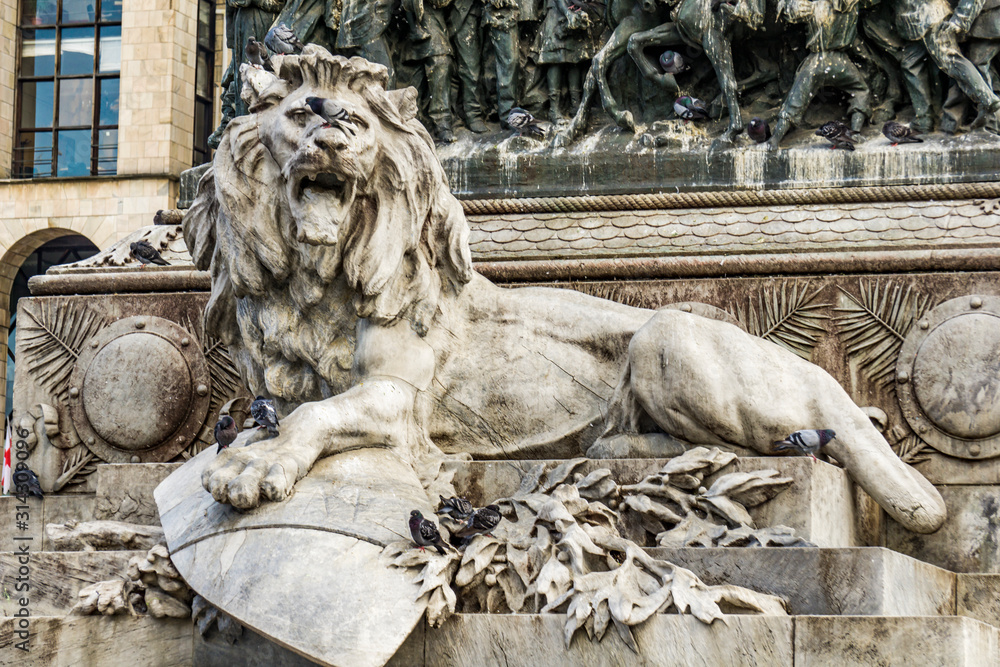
(922, 65)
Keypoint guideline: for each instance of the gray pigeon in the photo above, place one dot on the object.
(758, 130)
(425, 532)
(690, 108)
(806, 442)
(256, 55)
(897, 133)
(332, 113)
(225, 432)
(143, 251)
(26, 483)
(673, 62)
(480, 522)
(522, 121)
(262, 411)
(455, 507)
(280, 39)
(839, 134)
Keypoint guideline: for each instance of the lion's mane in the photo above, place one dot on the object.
(285, 298)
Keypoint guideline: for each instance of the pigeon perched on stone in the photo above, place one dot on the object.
(143, 251)
(807, 442)
(455, 507)
(522, 121)
(897, 133)
(225, 432)
(332, 113)
(673, 62)
(280, 39)
(480, 522)
(840, 135)
(425, 532)
(262, 411)
(26, 483)
(256, 55)
(758, 130)
(690, 108)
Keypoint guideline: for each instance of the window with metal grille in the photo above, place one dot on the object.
(67, 95)
(203, 82)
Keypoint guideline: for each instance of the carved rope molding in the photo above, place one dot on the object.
(640, 202)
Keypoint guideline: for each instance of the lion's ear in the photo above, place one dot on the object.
(405, 101)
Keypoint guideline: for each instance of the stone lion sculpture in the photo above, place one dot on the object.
(343, 285)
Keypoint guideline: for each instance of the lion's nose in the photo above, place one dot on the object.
(330, 141)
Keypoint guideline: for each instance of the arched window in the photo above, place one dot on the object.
(63, 250)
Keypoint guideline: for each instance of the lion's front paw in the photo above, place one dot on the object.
(268, 469)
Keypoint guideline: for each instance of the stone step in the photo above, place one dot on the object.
(536, 640)
(56, 577)
(978, 596)
(857, 581)
(73, 641)
(821, 505)
(29, 524)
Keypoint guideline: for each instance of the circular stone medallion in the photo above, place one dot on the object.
(948, 377)
(140, 391)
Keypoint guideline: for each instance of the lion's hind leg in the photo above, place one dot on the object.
(708, 382)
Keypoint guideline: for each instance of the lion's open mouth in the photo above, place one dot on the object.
(320, 202)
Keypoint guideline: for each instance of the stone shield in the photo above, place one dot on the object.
(305, 572)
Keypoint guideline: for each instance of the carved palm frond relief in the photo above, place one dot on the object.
(912, 449)
(786, 316)
(76, 467)
(874, 324)
(52, 335)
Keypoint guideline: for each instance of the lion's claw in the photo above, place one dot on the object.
(244, 476)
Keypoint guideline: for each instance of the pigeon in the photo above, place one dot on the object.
(225, 432)
(522, 121)
(332, 113)
(673, 62)
(280, 39)
(690, 108)
(481, 521)
(143, 251)
(897, 133)
(26, 483)
(758, 130)
(455, 507)
(424, 532)
(807, 442)
(262, 411)
(838, 134)
(256, 55)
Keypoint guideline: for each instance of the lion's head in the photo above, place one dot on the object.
(306, 225)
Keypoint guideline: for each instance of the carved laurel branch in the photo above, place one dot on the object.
(561, 549)
(52, 337)
(912, 449)
(789, 317)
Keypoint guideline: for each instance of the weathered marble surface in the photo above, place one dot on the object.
(978, 596)
(125, 491)
(57, 577)
(527, 640)
(95, 640)
(306, 572)
(968, 542)
(919, 641)
(867, 581)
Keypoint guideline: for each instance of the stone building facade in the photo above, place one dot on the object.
(135, 168)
